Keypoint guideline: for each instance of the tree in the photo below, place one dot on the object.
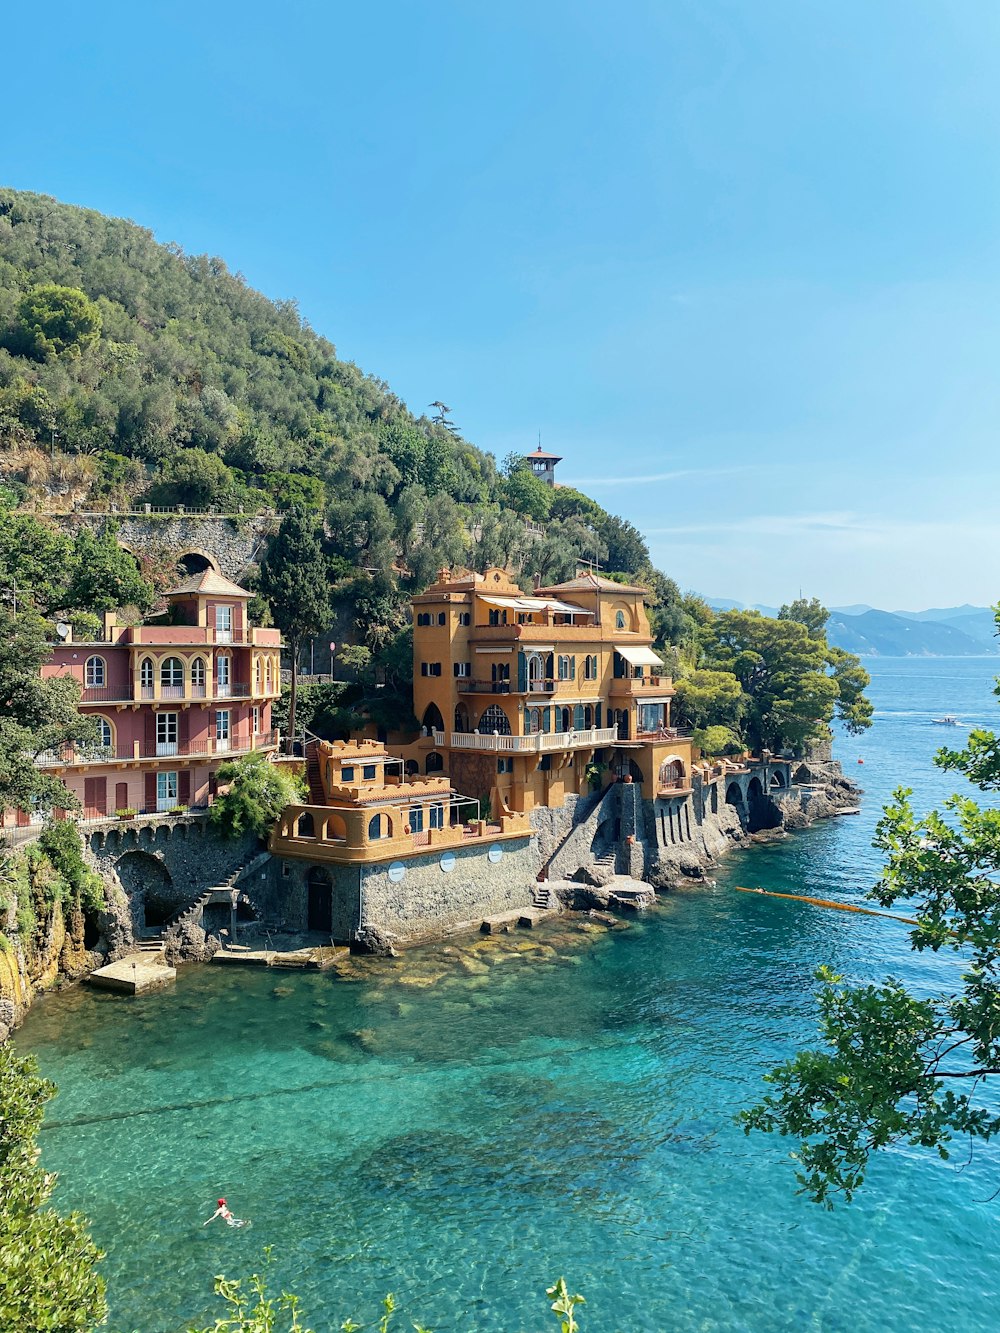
(48, 1277)
(781, 669)
(293, 579)
(196, 478)
(52, 320)
(527, 494)
(35, 715)
(258, 791)
(103, 576)
(811, 613)
(895, 1066)
(710, 699)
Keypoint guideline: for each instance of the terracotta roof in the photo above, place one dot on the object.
(593, 583)
(209, 582)
(540, 453)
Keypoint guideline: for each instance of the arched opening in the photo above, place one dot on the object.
(172, 672)
(319, 889)
(411, 767)
(671, 773)
(762, 813)
(494, 719)
(734, 796)
(777, 779)
(432, 719)
(336, 828)
(375, 828)
(196, 562)
(150, 890)
(305, 826)
(435, 763)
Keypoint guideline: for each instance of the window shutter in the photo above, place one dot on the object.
(522, 672)
(184, 786)
(578, 717)
(183, 730)
(149, 803)
(150, 731)
(546, 718)
(597, 716)
(572, 667)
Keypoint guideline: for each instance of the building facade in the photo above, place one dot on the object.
(543, 465)
(171, 700)
(544, 694)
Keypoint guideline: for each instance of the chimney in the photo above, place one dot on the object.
(537, 579)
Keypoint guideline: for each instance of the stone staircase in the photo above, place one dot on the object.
(313, 780)
(542, 896)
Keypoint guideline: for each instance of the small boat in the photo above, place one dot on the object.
(947, 721)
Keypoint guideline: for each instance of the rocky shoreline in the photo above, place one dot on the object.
(595, 879)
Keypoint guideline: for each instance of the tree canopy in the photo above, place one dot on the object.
(894, 1065)
(48, 1274)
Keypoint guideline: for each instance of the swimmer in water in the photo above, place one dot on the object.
(223, 1212)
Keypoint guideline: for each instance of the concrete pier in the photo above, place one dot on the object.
(134, 973)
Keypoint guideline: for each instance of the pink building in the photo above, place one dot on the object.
(172, 701)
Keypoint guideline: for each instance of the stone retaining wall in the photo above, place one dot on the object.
(230, 545)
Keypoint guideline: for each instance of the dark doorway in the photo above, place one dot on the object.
(320, 907)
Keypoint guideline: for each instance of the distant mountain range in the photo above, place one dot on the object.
(950, 631)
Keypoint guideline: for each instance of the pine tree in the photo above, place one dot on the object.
(294, 580)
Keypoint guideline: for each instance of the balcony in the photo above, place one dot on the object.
(123, 694)
(505, 687)
(542, 742)
(203, 747)
(636, 687)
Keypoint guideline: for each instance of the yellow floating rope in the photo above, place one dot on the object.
(827, 902)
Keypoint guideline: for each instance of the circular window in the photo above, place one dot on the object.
(448, 862)
(396, 872)
(495, 853)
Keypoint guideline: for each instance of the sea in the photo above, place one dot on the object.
(464, 1126)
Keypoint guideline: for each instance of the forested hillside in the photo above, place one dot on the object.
(132, 373)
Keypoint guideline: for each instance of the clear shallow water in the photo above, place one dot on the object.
(532, 1112)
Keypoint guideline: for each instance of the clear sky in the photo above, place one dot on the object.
(737, 260)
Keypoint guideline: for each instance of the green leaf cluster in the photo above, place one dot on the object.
(253, 793)
(895, 1066)
(48, 1263)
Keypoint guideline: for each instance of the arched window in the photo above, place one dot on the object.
(268, 677)
(532, 721)
(105, 734)
(259, 673)
(305, 828)
(172, 671)
(198, 671)
(619, 620)
(435, 762)
(146, 672)
(494, 719)
(375, 828)
(95, 672)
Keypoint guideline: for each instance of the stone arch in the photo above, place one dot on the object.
(734, 794)
(196, 561)
(149, 886)
(671, 771)
(778, 779)
(754, 789)
(432, 719)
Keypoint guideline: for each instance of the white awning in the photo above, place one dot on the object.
(639, 656)
(535, 604)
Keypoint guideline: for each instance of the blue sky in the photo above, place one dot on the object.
(737, 260)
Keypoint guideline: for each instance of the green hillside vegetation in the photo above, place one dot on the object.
(133, 373)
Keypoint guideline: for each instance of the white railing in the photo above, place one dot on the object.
(540, 743)
(166, 748)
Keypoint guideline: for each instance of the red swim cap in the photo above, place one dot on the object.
(222, 1203)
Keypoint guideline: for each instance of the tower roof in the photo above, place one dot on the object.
(208, 582)
(542, 456)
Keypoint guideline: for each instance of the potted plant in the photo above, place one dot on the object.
(178, 810)
(127, 812)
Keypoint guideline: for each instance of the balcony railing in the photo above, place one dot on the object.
(541, 742)
(506, 687)
(200, 747)
(666, 734)
(122, 694)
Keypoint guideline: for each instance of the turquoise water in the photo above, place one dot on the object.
(554, 1104)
